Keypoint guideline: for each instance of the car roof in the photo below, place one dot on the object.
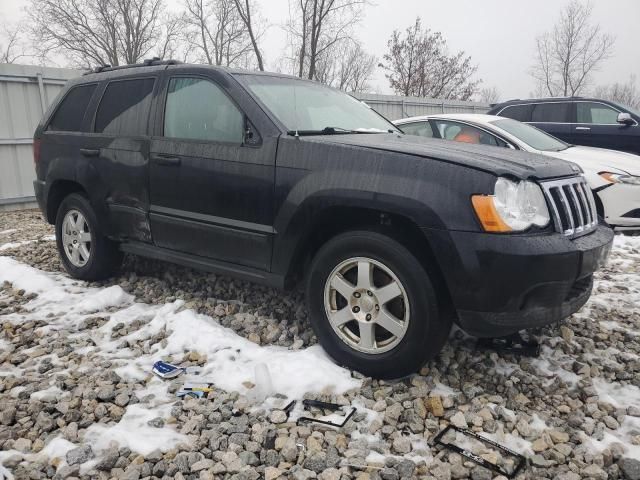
(468, 117)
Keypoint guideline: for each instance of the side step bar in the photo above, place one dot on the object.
(200, 263)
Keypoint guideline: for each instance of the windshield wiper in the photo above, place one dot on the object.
(336, 131)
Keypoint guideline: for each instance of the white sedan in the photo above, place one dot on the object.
(613, 176)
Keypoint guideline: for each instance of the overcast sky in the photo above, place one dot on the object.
(498, 34)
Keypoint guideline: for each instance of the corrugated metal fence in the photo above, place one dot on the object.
(27, 91)
(395, 107)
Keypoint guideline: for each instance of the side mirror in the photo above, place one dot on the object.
(625, 118)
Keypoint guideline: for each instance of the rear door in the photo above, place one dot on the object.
(116, 155)
(554, 118)
(597, 126)
(212, 174)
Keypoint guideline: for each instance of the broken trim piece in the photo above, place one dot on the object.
(522, 460)
(333, 407)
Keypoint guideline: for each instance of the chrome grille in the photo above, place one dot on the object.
(572, 206)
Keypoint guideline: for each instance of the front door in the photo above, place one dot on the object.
(597, 126)
(212, 177)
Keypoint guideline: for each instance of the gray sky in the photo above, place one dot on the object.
(498, 34)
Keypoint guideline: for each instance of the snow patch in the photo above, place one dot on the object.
(231, 360)
(133, 432)
(620, 396)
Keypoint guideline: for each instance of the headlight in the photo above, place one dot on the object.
(620, 178)
(514, 206)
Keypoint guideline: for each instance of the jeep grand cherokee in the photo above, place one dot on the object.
(274, 179)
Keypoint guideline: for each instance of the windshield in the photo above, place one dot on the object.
(628, 109)
(307, 106)
(533, 137)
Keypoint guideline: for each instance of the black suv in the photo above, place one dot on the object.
(578, 121)
(274, 179)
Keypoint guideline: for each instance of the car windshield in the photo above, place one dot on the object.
(307, 107)
(628, 109)
(532, 136)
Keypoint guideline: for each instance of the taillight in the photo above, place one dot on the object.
(36, 150)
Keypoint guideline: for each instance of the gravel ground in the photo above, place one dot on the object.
(574, 411)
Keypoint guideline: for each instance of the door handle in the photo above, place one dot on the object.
(583, 128)
(168, 160)
(89, 152)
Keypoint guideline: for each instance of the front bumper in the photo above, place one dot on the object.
(500, 284)
(621, 203)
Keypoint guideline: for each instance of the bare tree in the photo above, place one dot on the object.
(489, 95)
(89, 32)
(418, 64)
(567, 56)
(349, 69)
(216, 30)
(245, 9)
(171, 45)
(627, 94)
(12, 47)
(315, 29)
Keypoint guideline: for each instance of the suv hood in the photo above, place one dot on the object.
(496, 160)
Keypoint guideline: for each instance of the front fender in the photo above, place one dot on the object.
(428, 193)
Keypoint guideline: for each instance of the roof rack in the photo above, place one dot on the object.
(150, 62)
(544, 98)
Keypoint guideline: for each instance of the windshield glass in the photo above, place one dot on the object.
(307, 106)
(628, 109)
(533, 137)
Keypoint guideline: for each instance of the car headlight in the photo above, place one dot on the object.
(514, 206)
(620, 178)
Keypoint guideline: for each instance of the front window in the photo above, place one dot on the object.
(305, 106)
(532, 136)
(464, 133)
(197, 109)
(596, 113)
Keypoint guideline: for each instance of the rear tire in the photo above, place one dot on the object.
(86, 253)
(344, 303)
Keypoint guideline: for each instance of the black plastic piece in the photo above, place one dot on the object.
(515, 344)
(289, 408)
(149, 62)
(521, 460)
(334, 407)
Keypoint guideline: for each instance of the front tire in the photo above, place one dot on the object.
(373, 306)
(86, 253)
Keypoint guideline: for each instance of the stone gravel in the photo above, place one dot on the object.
(574, 412)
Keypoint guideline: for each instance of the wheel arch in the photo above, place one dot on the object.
(334, 220)
(58, 191)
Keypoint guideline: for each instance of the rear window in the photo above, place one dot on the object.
(550, 113)
(124, 108)
(69, 115)
(421, 129)
(522, 113)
